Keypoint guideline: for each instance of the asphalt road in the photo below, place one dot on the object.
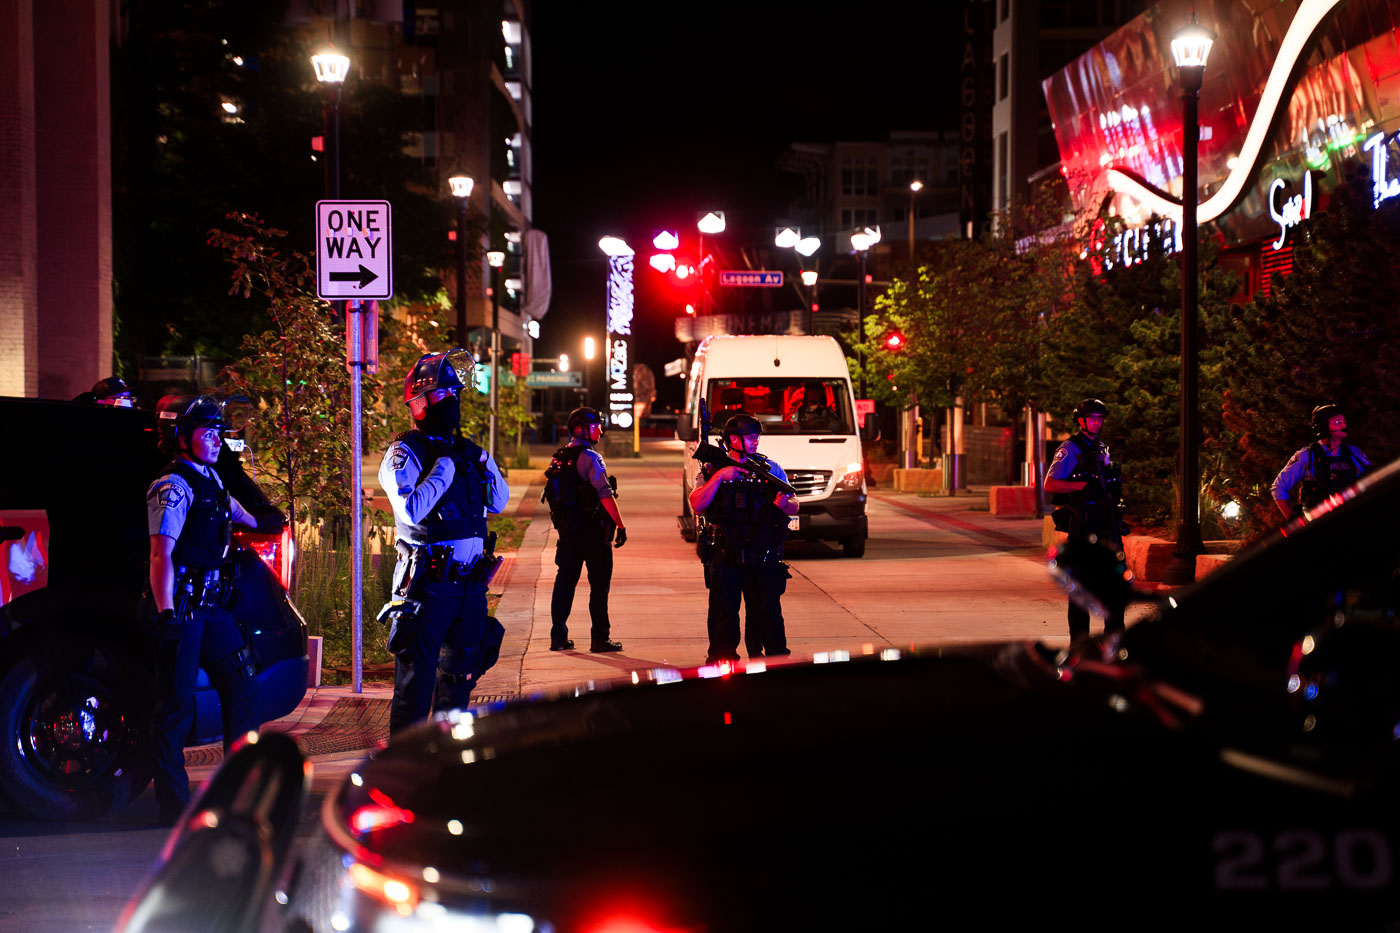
(936, 570)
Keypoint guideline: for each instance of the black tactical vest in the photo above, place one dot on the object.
(1327, 474)
(461, 511)
(1087, 466)
(208, 528)
(574, 506)
(749, 527)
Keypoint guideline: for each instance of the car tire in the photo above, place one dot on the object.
(853, 546)
(74, 724)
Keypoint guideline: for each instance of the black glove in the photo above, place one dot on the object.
(270, 522)
(165, 617)
(621, 538)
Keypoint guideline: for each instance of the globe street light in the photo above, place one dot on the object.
(809, 279)
(461, 186)
(711, 222)
(861, 243)
(496, 259)
(590, 350)
(915, 187)
(1190, 49)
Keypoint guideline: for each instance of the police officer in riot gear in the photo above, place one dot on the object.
(1087, 486)
(583, 507)
(1322, 468)
(110, 391)
(747, 518)
(189, 516)
(441, 486)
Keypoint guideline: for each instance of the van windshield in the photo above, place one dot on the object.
(783, 406)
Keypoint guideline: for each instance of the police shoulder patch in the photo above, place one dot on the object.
(170, 494)
(398, 457)
(1061, 453)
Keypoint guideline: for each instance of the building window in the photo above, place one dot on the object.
(859, 217)
(1003, 76)
(859, 176)
(1002, 170)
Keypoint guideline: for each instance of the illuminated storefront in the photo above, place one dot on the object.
(1295, 95)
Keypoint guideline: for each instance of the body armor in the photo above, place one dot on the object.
(204, 540)
(574, 506)
(1327, 474)
(461, 511)
(747, 526)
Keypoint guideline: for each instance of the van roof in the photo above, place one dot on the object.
(796, 355)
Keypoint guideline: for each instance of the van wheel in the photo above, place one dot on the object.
(74, 723)
(853, 546)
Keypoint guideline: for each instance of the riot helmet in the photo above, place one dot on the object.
(580, 419)
(180, 415)
(741, 425)
(450, 370)
(1322, 416)
(113, 391)
(1090, 406)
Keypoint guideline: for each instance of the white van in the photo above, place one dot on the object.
(799, 388)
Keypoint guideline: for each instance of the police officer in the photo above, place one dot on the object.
(1325, 467)
(441, 485)
(188, 516)
(583, 507)
(110, 391)
(749, 518)
(1084, 482)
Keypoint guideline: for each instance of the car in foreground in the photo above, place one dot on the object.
(77, 676)
(1231, 760)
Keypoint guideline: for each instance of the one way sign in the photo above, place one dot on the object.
(354, 254)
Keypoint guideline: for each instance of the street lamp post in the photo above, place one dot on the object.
(590, 350)
(496, 259)
(712, 222)
(809, 279)
(861, 243)
(331, 70)
(915, 187)
(461, 186)
(1190, 48)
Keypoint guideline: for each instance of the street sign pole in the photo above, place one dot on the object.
(354, 336)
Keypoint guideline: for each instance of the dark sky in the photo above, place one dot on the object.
(647, 114)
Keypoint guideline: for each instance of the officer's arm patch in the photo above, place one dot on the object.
(398, 458)
(170, 495)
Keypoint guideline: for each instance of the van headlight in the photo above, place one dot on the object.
(850, 478)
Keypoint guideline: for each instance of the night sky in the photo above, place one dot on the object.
(642, 120)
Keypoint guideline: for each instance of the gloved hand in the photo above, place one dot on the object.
(621, 538)
(165, 617)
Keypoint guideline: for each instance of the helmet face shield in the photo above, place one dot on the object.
(236, 410)
(460, 363)
(451, 369)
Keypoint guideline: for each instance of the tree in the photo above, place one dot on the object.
(1328, 333)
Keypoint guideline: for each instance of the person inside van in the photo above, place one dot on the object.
(815, 416)
(731, 402)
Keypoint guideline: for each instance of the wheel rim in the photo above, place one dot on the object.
(75, 732)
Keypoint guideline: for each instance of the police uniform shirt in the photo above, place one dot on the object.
(592, 470)
(413, 493)
(1067, 459)
(1298, 467)
(168, 502)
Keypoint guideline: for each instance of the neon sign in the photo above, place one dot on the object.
(1381, 186)
(1292, 211)
(620, 307)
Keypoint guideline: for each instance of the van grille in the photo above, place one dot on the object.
(807, 482)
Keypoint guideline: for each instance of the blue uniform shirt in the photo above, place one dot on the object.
(591, 469)
(168, 503)
(1067, 458)
(413, 493)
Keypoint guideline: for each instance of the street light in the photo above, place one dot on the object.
(590, 350)
(1190, 49)
(496, 259)
(809, 279)
(461, 186)
(915, 187)
(331, 70)
(861, 243)
(711, 222)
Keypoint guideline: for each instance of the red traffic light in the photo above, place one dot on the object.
(894, 341)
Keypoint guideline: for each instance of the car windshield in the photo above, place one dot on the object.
(784, 405)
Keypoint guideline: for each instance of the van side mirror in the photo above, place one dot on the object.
(870, 428)
(684, 429)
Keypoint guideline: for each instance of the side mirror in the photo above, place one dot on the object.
(870, 429)
(684, 429)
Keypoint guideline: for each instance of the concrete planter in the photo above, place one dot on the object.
(1011, 501)
(1148, 557)
(918, 480)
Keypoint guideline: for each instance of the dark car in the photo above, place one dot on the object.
(76, 671)
(1230, 761)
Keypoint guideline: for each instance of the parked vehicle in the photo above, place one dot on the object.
(1230, 761)
(76, 672)
(799, 389)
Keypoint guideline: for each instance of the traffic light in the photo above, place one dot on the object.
(894, 341)
(520, 364)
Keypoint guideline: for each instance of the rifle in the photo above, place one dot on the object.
(717, 456)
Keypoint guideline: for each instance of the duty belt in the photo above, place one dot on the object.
(440, 567)
(200, 587)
